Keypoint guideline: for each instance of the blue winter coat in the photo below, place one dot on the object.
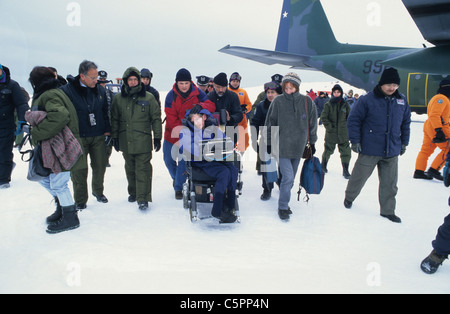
(191, 137)
(380, 124)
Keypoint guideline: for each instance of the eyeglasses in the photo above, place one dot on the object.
(95, 78)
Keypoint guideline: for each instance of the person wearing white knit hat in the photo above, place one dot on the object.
(294, 118)
(292, 78)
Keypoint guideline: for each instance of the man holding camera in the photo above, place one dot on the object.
(91, 104)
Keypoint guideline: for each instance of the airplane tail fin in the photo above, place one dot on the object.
(304, 29)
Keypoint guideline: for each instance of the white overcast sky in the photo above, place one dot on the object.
(165, 36)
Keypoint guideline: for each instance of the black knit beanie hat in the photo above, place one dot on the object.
(221, 79)
(389, 76)
(183, 75)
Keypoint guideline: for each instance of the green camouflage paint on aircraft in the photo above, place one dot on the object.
(306, 41)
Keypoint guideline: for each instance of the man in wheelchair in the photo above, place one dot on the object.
(207, 148)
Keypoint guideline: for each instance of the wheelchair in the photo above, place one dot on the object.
(199, 188)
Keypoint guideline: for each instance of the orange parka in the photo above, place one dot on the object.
(244, 138)
(438, 116)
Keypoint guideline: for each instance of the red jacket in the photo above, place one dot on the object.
(176, 106)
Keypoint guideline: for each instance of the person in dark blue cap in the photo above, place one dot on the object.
(202, 82)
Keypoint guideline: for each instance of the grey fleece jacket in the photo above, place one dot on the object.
(289, 113)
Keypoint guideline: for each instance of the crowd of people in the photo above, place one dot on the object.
(81, 112)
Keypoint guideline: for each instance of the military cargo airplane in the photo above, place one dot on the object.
(306, 41)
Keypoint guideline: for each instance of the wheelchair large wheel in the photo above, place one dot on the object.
(193, 213)
(186, 196)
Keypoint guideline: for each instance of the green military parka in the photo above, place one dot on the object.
(135, 114)
(60, 113)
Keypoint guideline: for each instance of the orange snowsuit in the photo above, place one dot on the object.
(244, 137)
(438, 117)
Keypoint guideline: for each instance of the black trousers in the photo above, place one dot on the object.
(6, 155)
(442, 243)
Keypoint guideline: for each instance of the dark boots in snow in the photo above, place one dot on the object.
(68, 221)
(266, 195)
(345, 172)
(324, 166)
(435, 174)
(420, 174)
(431, 264)
(57, 215)
(285, 214)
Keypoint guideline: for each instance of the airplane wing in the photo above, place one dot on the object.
(432, 17)
(269, 57)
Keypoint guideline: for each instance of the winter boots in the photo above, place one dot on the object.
(348, 204)
(284, 214)
(392, 218)
(420, 174)
(435, 174)
(324, 165)
(345, 172)
(266, 195)
(227, 216)
(68, 221)
(429, 175)
(143, 206)
(57, 215)
(431, 264)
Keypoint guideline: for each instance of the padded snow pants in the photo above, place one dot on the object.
(344, 150)
(442, 243)
(139, 173)
(428, 148)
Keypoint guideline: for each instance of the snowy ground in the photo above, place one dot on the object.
(325, 248)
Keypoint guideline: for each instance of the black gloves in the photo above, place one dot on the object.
(403, 150)
(157, 144)
(440, 136)
(196, 109)
(357, 148)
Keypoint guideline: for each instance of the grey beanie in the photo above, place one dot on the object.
(293, 78)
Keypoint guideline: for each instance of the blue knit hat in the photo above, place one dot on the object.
(3, 72)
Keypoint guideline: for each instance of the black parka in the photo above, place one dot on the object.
(12, 98)
(89, 101)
